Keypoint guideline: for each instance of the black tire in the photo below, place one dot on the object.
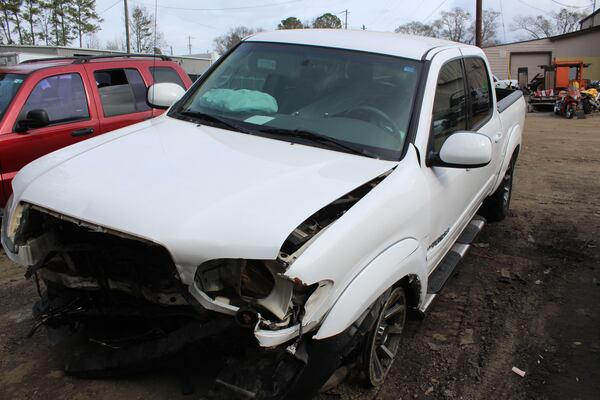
(570, 111)
(495, 207)
(385, 335)
(587, 106)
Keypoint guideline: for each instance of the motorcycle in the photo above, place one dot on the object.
(590, 100)
(568, 103)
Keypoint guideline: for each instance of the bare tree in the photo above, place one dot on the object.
(233, 37)
(416, 28)
(536, 27)
(117, 44)
(490, 28)
(566, 20)
(539, 27)
(453, 25)
(92, 41)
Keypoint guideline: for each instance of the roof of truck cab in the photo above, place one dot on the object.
(395, 44)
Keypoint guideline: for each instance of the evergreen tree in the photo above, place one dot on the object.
(84, 18)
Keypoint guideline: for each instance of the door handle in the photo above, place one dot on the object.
(497, 137)
(82, 132)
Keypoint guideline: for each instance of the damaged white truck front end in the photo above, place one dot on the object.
(295, 196)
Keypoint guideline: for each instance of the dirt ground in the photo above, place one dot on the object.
(527, 296)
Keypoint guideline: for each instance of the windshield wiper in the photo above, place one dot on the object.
(201, 117)
(316, 137)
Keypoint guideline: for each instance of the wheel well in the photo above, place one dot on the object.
(515, 153)
(412, 287)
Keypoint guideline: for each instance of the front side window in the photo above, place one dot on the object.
(479, 91)
(449, 106)
(61, 96)
(122, 91)
(359, 100)
(166, 74)
(9, 85)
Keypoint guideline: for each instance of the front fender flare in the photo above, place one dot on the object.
(399, 260)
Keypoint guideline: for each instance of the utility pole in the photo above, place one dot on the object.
(479, 24)
(346, 12)
(127, 27)
(189, 44)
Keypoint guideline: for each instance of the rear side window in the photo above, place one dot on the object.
(166, 74)
(449, 107)
(61, 96)
(480, 99)
(122, 91)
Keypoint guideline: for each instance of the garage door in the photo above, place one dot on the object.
(529, 60)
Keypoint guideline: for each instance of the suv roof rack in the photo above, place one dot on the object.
(83, 58)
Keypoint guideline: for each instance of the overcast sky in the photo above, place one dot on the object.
(203, 20)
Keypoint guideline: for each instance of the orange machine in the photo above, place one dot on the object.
(569, 73)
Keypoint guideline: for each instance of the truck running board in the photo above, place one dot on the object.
(446, 267)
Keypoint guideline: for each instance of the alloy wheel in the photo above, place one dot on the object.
(384, 339)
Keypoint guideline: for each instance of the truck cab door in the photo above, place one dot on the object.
(64, 96)
(483, 113)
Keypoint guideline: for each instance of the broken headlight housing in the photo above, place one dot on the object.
(257, 284)
(11, 222)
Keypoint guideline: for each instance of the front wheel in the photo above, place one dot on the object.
(570, 111)
(384, 337)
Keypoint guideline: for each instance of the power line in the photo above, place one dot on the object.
(530, 6)
(433, 12)
(225, 8)
(114, 4)
(570, 6)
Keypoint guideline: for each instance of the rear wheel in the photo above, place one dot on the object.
(587, 106)
(495, 208)
(384, 337)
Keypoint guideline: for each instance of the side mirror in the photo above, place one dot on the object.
(163, 95)
(34, 119)
(464, 150)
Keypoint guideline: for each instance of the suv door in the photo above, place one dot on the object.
(120, 93)
(65, 97)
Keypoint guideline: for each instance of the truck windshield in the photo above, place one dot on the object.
(340, 99)
(9, 85)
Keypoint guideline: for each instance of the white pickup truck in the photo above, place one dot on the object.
(309, 192)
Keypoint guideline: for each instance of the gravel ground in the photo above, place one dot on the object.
(527, 296)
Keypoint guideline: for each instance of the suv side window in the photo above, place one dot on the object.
(61, 96)
(122, 91)
(478, 84)
(449, 107)
(166, 74)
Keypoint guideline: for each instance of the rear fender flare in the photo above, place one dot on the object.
(403, 259)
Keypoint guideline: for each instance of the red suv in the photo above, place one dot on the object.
(52, 103)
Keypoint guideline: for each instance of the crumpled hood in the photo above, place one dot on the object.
(201, 192)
